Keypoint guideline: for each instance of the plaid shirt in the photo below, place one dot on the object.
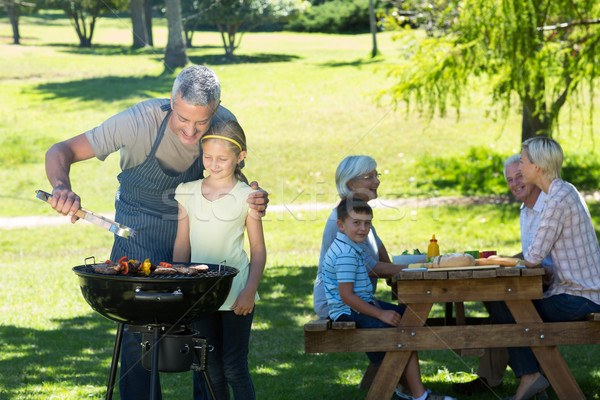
(567, 233)
(529, 221)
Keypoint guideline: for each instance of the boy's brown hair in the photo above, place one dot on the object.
(355, 204)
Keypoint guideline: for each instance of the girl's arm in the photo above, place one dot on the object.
(244, 304)
(349, 298)
(182, 249)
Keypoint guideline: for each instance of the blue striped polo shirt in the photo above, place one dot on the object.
(344, 262)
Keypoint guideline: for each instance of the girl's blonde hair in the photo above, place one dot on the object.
(234, 137)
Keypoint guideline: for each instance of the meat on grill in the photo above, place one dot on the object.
(105, 269)
(113, 269)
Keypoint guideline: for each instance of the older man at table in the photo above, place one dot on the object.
(494, 361)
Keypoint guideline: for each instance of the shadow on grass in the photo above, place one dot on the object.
(207, 59)
(279, 367)
(356, 63)
(108, 50)
(258, 58)
(109, 88)
(112, 88)
(70, 354)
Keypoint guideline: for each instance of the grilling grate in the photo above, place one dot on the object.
(212, 272)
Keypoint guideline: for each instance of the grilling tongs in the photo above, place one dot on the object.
(114, 227)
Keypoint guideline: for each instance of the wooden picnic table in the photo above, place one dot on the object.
(515, 286)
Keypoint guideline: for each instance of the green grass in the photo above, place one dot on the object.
(60, 347)
(305, 103)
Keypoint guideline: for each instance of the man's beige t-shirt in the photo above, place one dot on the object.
(134, 131)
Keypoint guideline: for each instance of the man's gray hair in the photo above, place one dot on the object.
(349, 168)
(514, 159)
(197, 85)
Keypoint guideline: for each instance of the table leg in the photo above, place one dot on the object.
(551, 361)
(394, 362)
(459, 311)
(448, 314)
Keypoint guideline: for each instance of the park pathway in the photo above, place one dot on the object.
(33, 221)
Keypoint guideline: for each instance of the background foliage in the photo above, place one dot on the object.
(537, 51)
(334, 16)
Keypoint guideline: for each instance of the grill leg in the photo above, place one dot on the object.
(114, 362)
(154, 376)
(201, 350)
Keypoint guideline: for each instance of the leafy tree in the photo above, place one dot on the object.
(175, 52)
(335, 16)
(84, 13)
(233, 18)
(541, 50)
(14, 9)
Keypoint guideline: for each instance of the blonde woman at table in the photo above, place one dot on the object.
(566, 233)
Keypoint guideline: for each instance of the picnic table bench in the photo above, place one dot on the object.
(419, 290)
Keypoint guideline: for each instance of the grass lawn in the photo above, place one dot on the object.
(305, 101)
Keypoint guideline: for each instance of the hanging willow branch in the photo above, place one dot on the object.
(567, 25)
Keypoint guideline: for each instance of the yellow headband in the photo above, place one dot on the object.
(224, 138)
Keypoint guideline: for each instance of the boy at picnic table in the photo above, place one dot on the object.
(350, 293)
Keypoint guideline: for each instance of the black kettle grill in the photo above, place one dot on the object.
(160, 307)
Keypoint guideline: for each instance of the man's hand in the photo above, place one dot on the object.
(65, 202)
(258, 200)
(59, 159)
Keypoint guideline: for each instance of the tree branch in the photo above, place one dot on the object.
(24, 4)
(567, 25)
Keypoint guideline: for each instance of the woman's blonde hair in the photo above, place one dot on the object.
(546, 153)
(234, 137)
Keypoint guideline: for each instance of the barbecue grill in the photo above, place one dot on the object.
(161, 307)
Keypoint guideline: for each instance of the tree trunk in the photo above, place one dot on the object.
(189, 34)
(148, 16)
(138, 23)
(373, 25)
(228, 39)
(13, 12)
(532, 124)
(175, 54)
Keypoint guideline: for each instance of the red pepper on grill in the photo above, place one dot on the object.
(123, 265)
(165, 265)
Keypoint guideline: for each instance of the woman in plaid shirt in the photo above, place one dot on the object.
(566, 233)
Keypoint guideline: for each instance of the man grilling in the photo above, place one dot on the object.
(158, 140)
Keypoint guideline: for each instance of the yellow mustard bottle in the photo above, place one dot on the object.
(433, 249)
